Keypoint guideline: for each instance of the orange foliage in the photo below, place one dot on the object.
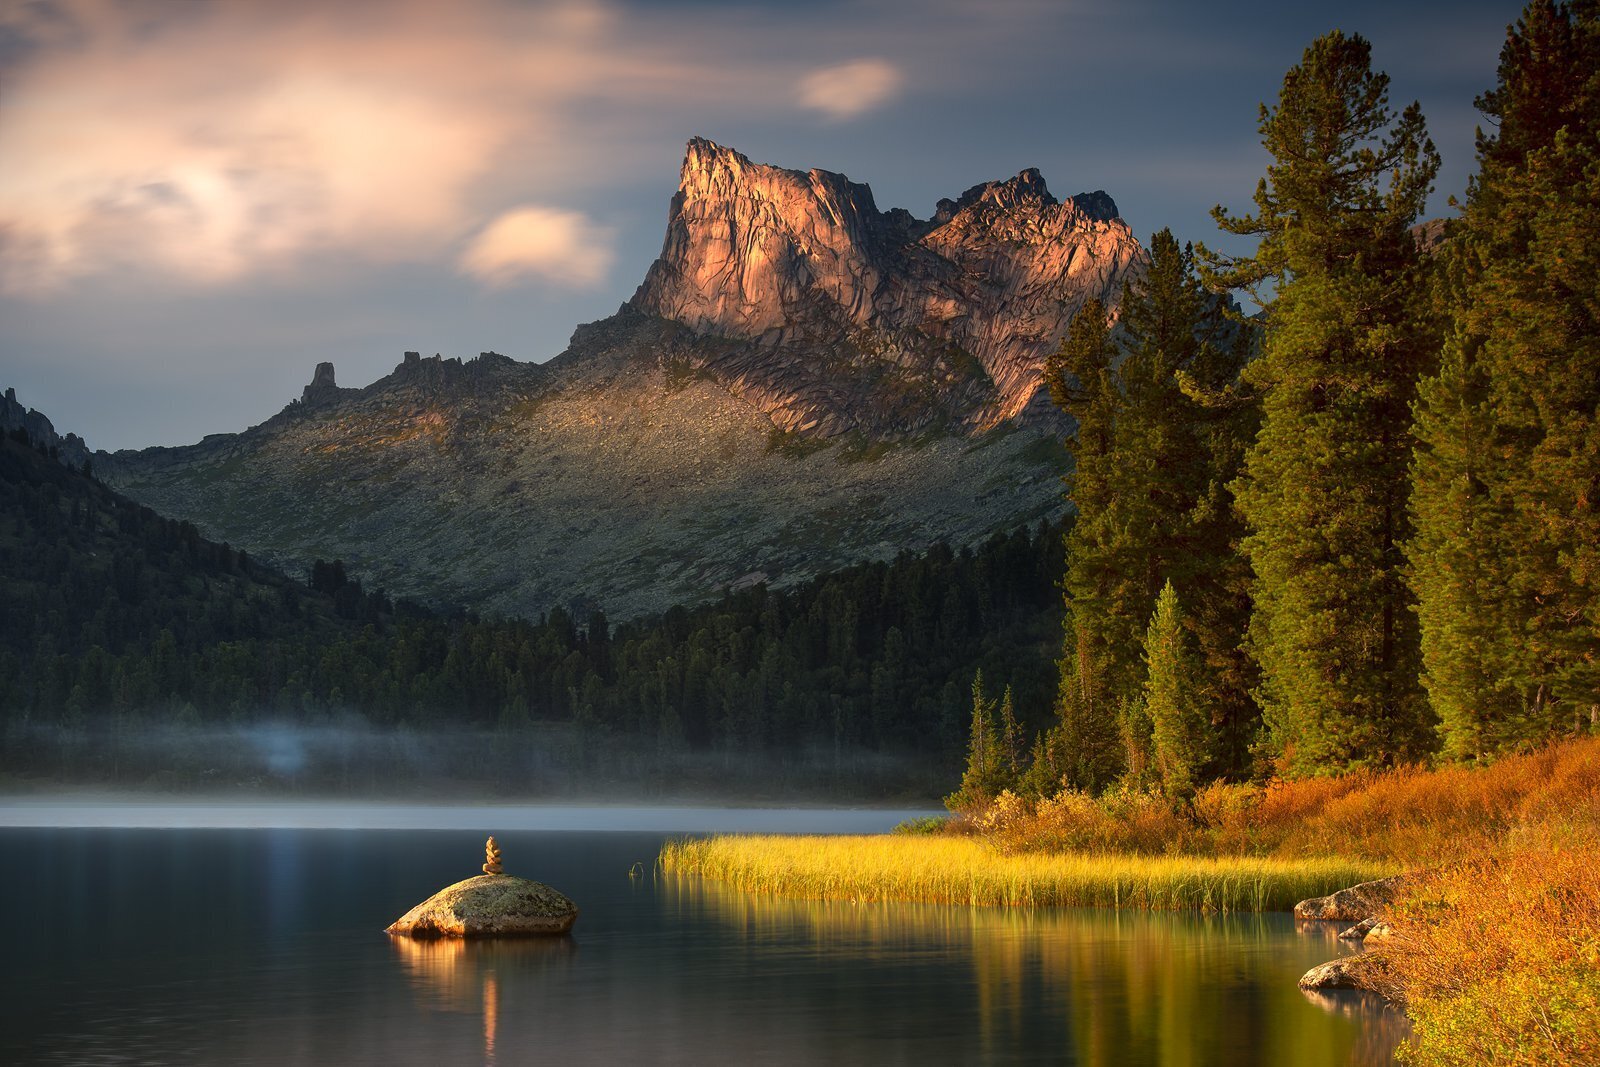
(1410, 814)
(1497, 956)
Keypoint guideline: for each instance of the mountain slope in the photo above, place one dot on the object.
(801, 382)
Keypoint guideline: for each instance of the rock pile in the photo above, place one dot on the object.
(492, 904)
(491, 858)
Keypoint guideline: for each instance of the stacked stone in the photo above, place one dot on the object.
(491, 858)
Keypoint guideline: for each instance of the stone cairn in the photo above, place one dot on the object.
(491, 858)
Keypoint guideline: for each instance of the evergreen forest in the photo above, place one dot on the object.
(1361, 529)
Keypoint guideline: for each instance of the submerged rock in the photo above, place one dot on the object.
(489, 905)
(1352, 905)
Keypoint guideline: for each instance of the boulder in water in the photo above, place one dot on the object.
(1364, 970)
(489, 905)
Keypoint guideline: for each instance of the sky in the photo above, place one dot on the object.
(200, 200)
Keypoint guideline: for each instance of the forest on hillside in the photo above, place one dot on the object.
(117, 615)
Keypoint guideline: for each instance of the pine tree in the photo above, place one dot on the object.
(1161, 433)
(1174, 701)
(1181, 434)
(1325, 483)
(985, 775)
(1009, 741)
(1081, 381)
(1043, 776)
(1506, 559)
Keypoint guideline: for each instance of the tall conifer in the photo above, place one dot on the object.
(1174, 699)
(986, 773)
(1082, 382)
(1182, 430)
(1325, 486)
(1506, 557)
(1160, 432)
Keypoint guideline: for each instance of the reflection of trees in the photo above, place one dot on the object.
(1382, 1028)
(1126, 987)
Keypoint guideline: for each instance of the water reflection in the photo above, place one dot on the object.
(1125, 986)
(460, 975)
(450, 971)
(264, 947)
(1382, 1028)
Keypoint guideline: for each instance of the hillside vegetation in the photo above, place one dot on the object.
(120, 616)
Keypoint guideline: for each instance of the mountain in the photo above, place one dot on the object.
(842, 317)
(84, 568)
(68, 449)
(801, 382)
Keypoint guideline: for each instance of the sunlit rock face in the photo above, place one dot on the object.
(802, 382)
(843, 317)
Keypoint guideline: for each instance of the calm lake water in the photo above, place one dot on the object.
(238, 945)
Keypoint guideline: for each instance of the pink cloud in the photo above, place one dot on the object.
(209, 142)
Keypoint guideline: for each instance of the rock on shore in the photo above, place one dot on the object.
(1354, 904)
(489, 905)
(1360, 971)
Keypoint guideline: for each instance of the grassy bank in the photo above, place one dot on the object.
(1496, 954)
(965, 870)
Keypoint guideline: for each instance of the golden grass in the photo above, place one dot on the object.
(964, 870)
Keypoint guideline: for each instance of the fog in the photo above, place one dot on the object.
(140, 812)
(349, 759)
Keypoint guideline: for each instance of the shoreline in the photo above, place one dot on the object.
(961, 870)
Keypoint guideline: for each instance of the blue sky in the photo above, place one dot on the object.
(199, 202)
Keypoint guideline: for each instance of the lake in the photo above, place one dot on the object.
(149, 937)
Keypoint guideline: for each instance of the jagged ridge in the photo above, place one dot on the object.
(801, 382)
(843, 317)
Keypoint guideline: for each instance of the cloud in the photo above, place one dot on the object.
(211, 144)
(562, 246)
(850, 89)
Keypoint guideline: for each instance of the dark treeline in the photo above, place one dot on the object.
(1369, 533)
(113, 610)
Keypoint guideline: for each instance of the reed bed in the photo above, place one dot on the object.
(967, 871)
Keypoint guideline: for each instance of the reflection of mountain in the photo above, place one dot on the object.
(1125, 987)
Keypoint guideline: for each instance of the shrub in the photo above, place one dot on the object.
(1498, 958)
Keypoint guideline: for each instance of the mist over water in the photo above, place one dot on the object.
(350, 758)
(134, 812)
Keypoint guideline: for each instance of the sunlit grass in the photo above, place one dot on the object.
(957, 870)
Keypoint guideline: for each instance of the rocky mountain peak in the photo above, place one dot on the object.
(323, 387)
(68, 448)
(1027, 191)
(832, 306)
